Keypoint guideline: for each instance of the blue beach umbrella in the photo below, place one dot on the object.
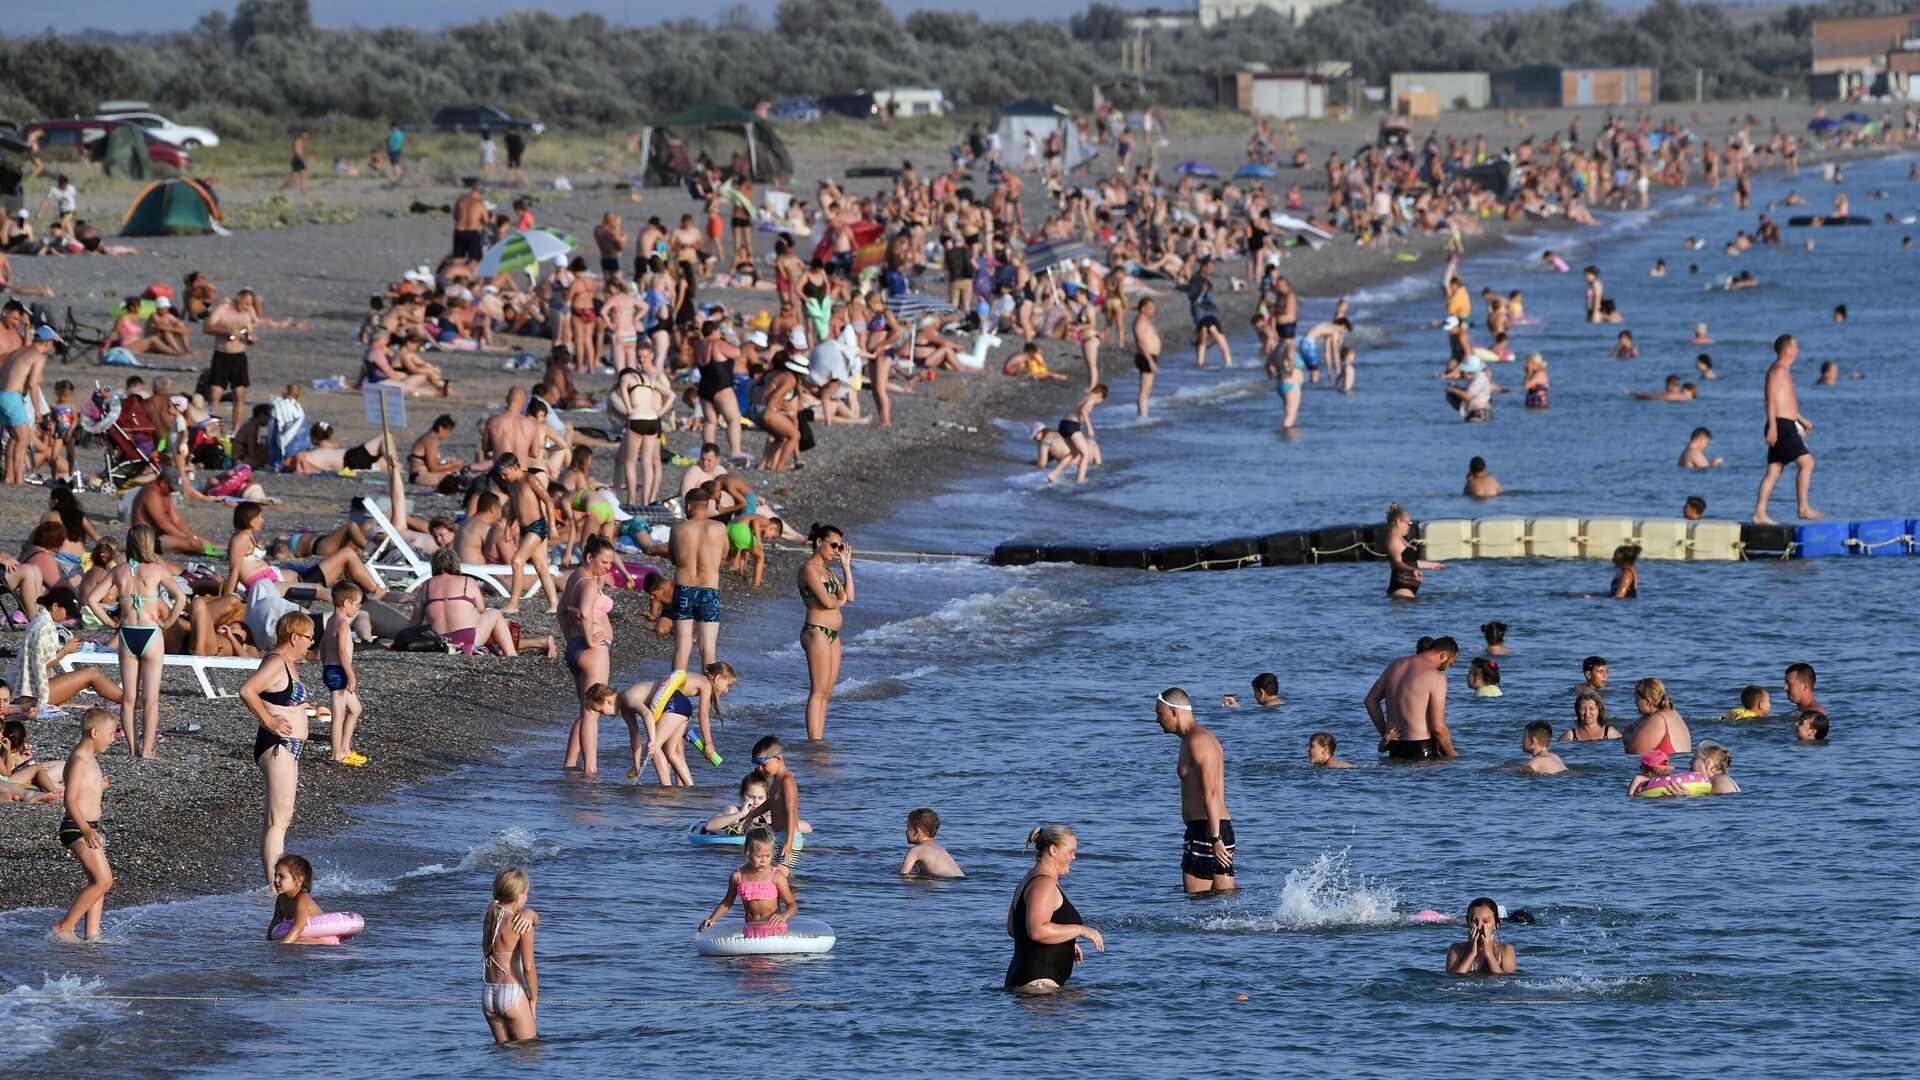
(1822, 124)
(1857, 118)
(1255, 170)
(1196, 168)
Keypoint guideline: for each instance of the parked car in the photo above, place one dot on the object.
(802, 109)
(860, 106)
(138, 112)
(72, 140)
(458, 118)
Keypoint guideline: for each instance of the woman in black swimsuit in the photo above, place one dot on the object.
(1042, 922)
(1403, 556)
(1626, 577)
(823, 593)
(278, 699)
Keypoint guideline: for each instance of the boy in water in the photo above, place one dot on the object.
(1537, 743)
(1755, 704)
(336, 666)
(1321, 746)
(1695, 455)
(1266, 692)
(1595, 670)
(925, 856)
(79, 829)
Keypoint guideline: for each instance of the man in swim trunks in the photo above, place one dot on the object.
(1146, 354)
(1206, 862)
(231, 324)
(470, 219)
(153, 506)
(20, 383)
(1408, 703)
(1785, 426)
(698, 546)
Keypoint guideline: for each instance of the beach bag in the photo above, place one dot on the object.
(419, 639)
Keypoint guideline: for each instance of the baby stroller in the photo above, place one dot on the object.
(126, 435)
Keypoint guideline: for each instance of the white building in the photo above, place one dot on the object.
(912, 101)
(1212, 11)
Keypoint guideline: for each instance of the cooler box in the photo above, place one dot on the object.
(1664, 538)
(1554, 538)
(1500, 538)
(1714, 541)
(1599, 536)
(1444, 541)
(1885, 537)
(1820, 539)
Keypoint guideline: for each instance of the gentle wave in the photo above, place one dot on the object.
(1325, 894)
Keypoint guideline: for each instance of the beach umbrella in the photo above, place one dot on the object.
(1256, 171)
(1196, 168)
(1822, 124)
(911, 307)
(524, 249)
(1047, 254)
(869, 244)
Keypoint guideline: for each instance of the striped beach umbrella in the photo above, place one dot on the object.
(1047, 254)
(524, 249)
(918, 305)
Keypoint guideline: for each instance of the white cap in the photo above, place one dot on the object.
(163, 302)
(758, 337)
(797, 339)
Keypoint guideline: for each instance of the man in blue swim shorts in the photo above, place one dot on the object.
(698, 546)
(20, 373)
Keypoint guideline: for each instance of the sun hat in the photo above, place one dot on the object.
(1473, 365)
(759, 338)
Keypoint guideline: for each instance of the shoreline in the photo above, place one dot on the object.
(184, 827)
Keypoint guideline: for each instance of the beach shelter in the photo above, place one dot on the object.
(731, 138)
(178, 207)
(1014, 120)
(123, 152)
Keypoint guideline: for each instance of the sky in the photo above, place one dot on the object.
(155, 15)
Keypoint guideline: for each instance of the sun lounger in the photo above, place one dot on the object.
(393, 559)
(200, 665)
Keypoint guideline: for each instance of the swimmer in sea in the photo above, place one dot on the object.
(1700, 335)
(1654, 765)
(1537, 743)
(1404, 580)
(764, 890)
(1660, 726)
(1694, 508)
(1496, 635)
(1799, 687)
(1659, 268)
(1624, 348)
(1811, 727)
(1482, 953)
(1589, 720)
(1408, 703)
(1704, 365)
(1712, 760)
(924, 855)
(1829, 374)
(1321, 748)
(1483, 678)
(1755, 704)
(1695, 455)
(1043, 923)
(1481, 484)
(1674, 391)
(1208, 845)
(1266, 693)
(1626, 573)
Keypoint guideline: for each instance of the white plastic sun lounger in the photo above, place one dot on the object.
(393, 559)
(200, 665)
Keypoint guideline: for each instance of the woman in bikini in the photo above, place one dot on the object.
(451, 603)
(509, 982)
(1660, 726)
(585, 611)
(645, 396)
(1589, 719)
(249, 561)
(824, 593)
(278, 699)
(141, 581)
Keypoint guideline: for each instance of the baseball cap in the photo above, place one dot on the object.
(43, 332)
(173, 478)
(1654, 759)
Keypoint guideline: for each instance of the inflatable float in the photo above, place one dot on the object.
(325, 929)
(798, 937)
(1677, 786)
(697, 834)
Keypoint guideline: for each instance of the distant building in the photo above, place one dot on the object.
(1449, 90)
(1548, 86)
(912, 101)
(1866, 54)
(1209, 12)
(1281, 95)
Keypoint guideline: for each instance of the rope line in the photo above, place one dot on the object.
(864, 552)
(303, 999)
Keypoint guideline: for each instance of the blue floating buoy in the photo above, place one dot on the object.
(1820, 539)
(1888, 536)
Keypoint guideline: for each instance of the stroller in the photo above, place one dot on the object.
(126, 434)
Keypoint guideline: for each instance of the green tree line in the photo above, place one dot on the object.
(265, 65)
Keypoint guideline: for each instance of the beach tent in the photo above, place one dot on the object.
(671, 146)
(173, 208)
(1014, 120)
(124, 153)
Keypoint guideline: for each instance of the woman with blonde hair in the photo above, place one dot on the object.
(1042, 922)
(282, 712)
(1660, 726)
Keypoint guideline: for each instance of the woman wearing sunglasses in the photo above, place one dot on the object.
(824, 593)
(278, 699)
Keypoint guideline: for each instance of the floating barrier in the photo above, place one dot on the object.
(1801, 221)
(1504, 537)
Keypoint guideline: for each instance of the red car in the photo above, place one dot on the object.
(72, 140)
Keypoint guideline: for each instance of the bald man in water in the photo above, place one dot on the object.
(1206, 862)
(1408, 703)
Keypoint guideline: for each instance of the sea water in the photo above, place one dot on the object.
(1725, 934)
